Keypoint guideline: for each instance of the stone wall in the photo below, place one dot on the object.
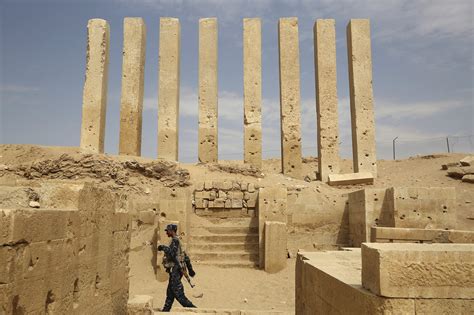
(331, 283)
(412, 207)
(368, 207)
(429, 207)
(316, 220)
(234, 198)
(65, 260)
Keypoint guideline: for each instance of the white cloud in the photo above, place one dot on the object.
(398, 110)
(402, 18)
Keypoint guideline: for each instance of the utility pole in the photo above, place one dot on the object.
(447, 143)
(393, 142)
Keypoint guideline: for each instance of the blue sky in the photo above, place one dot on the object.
(422, 52)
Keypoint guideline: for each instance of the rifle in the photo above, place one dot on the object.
(185, 273)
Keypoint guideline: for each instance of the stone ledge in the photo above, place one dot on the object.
(351, 179)
(393, 234)
(442, 271)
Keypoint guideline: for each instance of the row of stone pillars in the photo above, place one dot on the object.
(360, 82)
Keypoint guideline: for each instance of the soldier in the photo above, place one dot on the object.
(175, 262)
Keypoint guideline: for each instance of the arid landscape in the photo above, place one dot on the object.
(35, 167)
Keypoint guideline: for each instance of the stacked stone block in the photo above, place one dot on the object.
(168, 88)
(288, 48)
(235, 197)
(331, 282)
(133, 73)
(207, 133)
(326, 97)
(94, 99)
(361, 96)
(63, 261)
(252, 92)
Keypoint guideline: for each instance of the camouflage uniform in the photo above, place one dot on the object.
(173, 260)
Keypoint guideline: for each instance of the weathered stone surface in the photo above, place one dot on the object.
(94, 100)
(141, 305)
(133, 73)
(424, 207)
(361, 96)
(330, 283)
(469, 178)
(326, 97)
(392, 234)
(350, 179)
(368, 207)
(168, 88)
(207, 134)
(272, 206)
(275, 246)
(147, 216)
(252, 92)
(459, 172)
(419, 270)
(288, 48)
(467, 161)
(448, 165)
(444, 306)
(65, 261)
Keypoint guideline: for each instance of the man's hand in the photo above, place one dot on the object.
(192, 273)
(161, 247)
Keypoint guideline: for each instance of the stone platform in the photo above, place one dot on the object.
(331, 283)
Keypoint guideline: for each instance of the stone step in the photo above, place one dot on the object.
(223, 247)
(229, 263)
(224, 238)
(226, 229)
(226, 256)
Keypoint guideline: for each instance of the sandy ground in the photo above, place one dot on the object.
(234, 287)
(223, 288)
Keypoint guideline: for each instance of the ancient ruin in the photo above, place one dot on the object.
(79, 229)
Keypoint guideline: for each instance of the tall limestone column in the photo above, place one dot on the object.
(252, 92)
(326, 97)
(207, 134)
(94, 99)
(288, 47)
(361, 96)
(133, 71)
(168, 87)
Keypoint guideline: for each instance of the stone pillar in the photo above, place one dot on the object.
(326, 97)
(275, 246)
(94, 99)
(133, 71)
(361, 95)
(252, 92)
(288, 48)
(272, 206)
(207, 147)
(168, 87)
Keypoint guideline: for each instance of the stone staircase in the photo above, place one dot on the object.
(232, 244)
